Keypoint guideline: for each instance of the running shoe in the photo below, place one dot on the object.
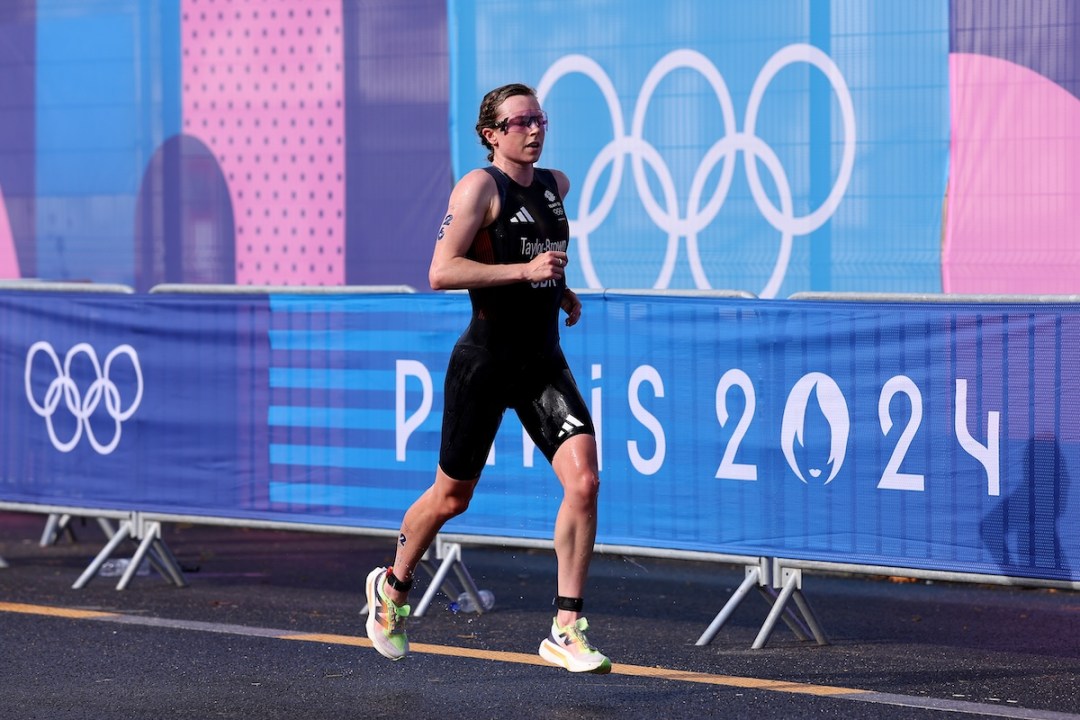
(385, 620)
(569, 648)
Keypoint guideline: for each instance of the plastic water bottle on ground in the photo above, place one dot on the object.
(115, 567)
(465, 602)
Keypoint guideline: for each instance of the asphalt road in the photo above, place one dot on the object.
(270, 627)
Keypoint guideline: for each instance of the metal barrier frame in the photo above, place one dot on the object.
(778, 580)
(59, 516)
(216, 289)
(144, 529)
(786, 574)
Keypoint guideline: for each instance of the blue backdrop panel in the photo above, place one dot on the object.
(927, 436)
(397, 149)
(104, 104)
(772, 147)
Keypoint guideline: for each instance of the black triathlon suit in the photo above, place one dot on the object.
(509, 356)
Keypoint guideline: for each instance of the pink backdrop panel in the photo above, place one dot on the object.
(9, 260)
(1013, 204)
(263, 88)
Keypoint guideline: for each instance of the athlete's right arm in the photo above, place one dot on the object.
(474, 204)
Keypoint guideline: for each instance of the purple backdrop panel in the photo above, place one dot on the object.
(397, 146)
(1014, 187)
(17, 60)
(184, 227)
(1039, 36)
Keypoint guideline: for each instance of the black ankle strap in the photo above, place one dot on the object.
(399, 585)
(569, 603)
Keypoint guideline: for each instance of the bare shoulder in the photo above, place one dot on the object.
(561, 181)
(475, 183)
(475, 195)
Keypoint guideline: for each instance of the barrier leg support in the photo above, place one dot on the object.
(449, 555)
(754, 575)
(811, 620)
(789, 616)
(106, 527)
(166, 563)
(57, 524)
(153, 548)
(150, 547)
(123, 533)
(791, 582)
(431, 563)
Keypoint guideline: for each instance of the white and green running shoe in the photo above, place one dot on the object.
(569, 648)
(386, 620)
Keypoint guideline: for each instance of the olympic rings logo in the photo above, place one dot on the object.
(102, 391)
(689, 223)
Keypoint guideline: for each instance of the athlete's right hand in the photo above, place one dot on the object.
(549, 265)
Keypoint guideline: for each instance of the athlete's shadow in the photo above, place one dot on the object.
(1023, 531)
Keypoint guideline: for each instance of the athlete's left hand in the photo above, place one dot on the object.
(571, 306)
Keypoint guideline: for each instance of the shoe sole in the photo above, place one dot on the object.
(556, 656)
(374, 630)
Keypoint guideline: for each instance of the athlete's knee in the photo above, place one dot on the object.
(576, 464)
(451, 497)
(583, 486)
(454, 504)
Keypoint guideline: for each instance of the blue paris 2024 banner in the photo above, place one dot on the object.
(934, 436)
(725, 144)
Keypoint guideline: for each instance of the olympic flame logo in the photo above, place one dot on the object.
(688, 220)
(102, 392)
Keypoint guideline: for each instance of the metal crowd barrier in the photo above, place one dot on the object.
(59, 517)
(218, 289)
(442, 558)
(779, 580)
(144, 529)
(785, 575)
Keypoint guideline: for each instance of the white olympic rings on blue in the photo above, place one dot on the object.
(667, 215)
(101, 390)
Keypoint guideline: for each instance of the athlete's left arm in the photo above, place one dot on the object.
(571, 306)
(570, 303)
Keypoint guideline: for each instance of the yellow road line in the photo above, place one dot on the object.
(734, 681)
(423, 648)
(54, 611)
(658, 673)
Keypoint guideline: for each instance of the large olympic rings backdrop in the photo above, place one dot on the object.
(688, 222)
(728, 145)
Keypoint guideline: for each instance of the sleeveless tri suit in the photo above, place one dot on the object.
(509, 356)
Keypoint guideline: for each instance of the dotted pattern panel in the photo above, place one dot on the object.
(263, 88)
